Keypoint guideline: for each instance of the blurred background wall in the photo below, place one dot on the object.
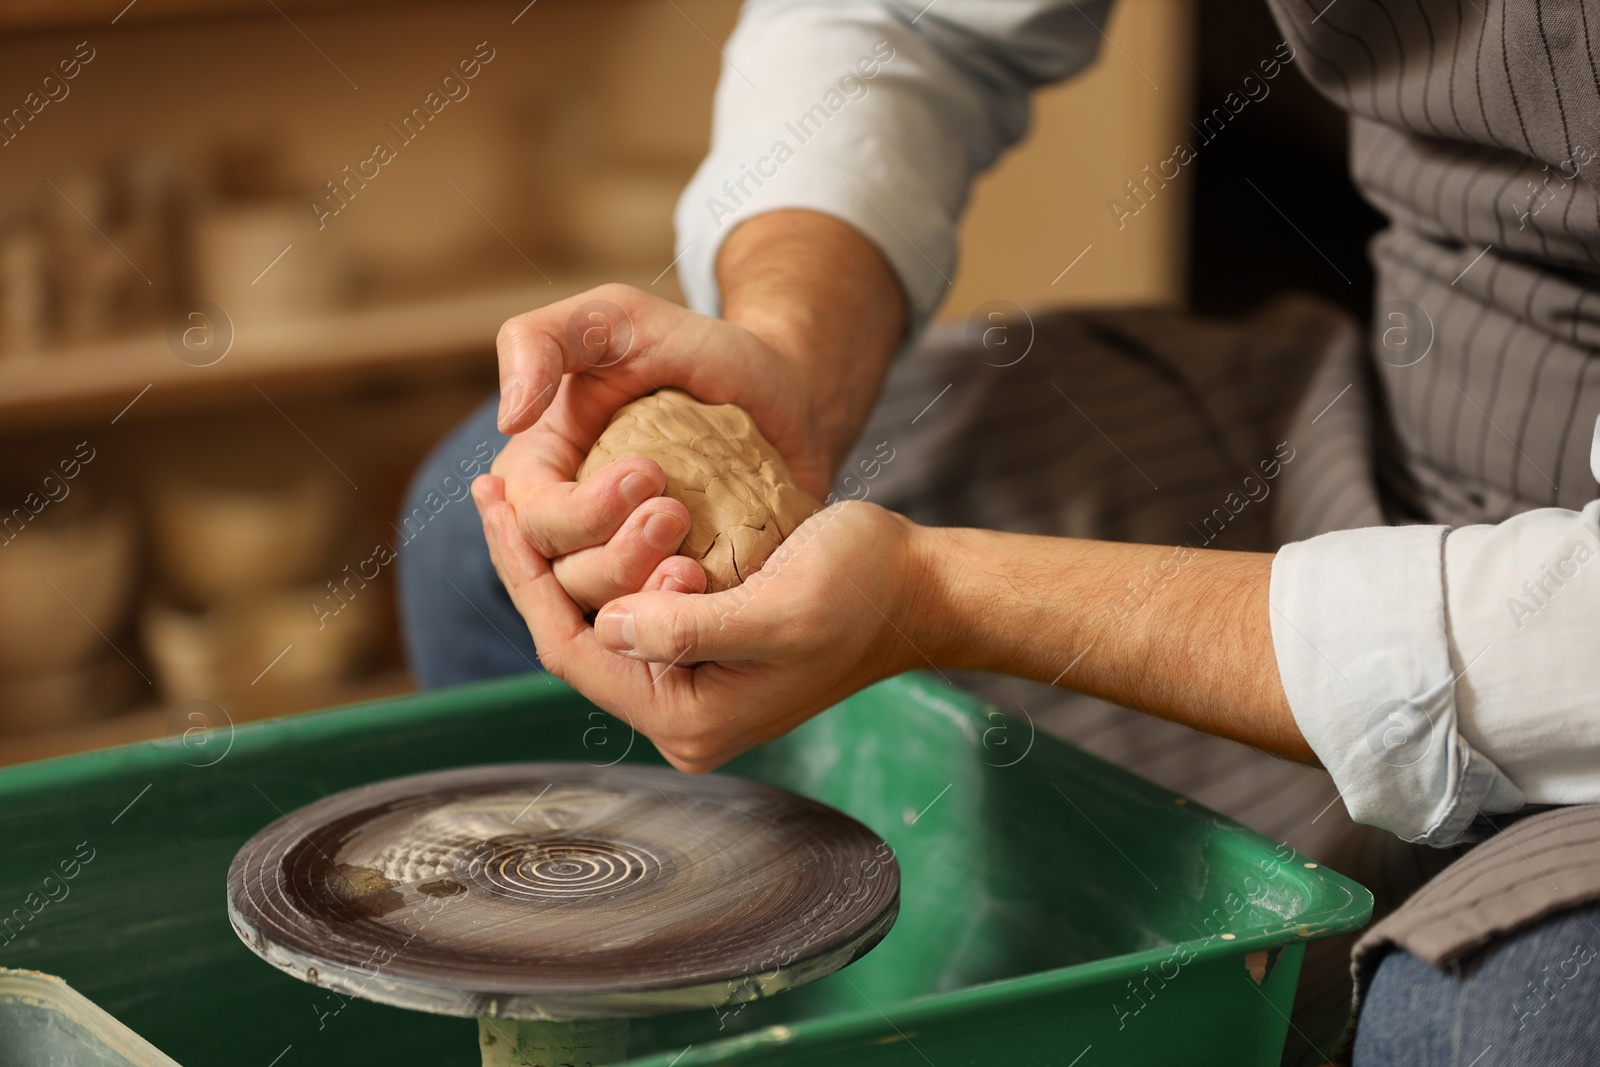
(212, 392)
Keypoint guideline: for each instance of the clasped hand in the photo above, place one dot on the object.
(704, 676)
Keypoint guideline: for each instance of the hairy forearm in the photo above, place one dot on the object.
(1178, 632)
(823, 296)
(1181, 633)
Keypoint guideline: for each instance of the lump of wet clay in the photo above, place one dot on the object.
(742, 500)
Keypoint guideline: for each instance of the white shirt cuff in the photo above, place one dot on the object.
(1360, 630)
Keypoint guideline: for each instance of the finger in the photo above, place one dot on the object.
(553, 619)
(592, 330)
(681, 629)
(621, 566)
(563, 517)
(624, 343)
(489, 494)
(565, 643)
(678, 574)
(569, 650)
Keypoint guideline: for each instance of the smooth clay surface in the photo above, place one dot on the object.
(742, 500)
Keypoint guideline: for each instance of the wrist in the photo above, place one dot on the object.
(983, 600)
(823, 298)
(940, 594)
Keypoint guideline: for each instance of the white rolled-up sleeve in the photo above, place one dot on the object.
(1447, 676)
(877, 113)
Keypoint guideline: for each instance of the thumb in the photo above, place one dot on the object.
(681, 628)
(587, 332)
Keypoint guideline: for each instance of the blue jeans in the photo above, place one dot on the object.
(1528, 998)
(457, 620)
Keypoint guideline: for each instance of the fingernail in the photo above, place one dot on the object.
(663, 531)
(673, 584)
(615, 629)
(511, 394)
(637, 488)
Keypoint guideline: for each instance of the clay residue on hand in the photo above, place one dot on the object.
(742, 500)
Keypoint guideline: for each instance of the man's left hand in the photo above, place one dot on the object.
(708, 676)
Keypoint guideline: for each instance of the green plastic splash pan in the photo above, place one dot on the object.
(1055, 909)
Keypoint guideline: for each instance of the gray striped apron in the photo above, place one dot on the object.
(1475, 127)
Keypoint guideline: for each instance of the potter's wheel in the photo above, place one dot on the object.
(562, 891)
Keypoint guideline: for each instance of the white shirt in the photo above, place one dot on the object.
(1441, 676)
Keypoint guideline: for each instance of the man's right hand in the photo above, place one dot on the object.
(812, 316)
(565, 371)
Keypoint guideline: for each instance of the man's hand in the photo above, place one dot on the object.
(707, 677)
(566, 369)
(812, 315)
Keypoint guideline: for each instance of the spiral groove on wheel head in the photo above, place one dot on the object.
(573, 867)
(562, 891)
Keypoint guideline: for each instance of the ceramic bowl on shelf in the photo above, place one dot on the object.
(66, 578)
(220, 535)
(262, 259)
(277, 640)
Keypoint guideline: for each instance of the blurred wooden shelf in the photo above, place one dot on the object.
(149, 723)
(369, 345)
(31, 15)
